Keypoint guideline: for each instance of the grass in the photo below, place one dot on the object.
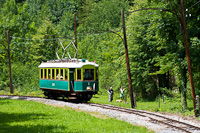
(31, 117)
(170, 105)
(21, 92)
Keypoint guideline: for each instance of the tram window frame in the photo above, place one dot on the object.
(54, 73)
(92, 75)
(45, 73)
(66, 74)
(49, 73)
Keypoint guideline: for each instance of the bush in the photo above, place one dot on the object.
(24, 78)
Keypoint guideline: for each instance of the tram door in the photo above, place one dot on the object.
(71, 75)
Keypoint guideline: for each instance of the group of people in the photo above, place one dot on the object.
(110, 92)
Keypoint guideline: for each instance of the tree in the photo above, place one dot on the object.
(102, 15)
(167, 54)
(44, 45)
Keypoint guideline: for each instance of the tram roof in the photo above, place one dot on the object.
(66, 64)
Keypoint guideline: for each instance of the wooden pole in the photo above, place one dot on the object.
(134, 100)
(163, 98)
(11, 88)
(188, 56)
(127, 59)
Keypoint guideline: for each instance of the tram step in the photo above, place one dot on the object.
(73, 94)
(72, 97)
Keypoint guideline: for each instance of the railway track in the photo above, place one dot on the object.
(153, 117)
(182, 126)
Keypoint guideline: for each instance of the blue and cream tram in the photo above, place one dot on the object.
(74, 79)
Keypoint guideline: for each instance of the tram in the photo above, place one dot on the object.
(74, 79)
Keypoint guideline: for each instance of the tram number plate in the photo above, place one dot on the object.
(53, 84)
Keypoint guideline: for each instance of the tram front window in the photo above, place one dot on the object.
(79, 74)
(89, 74)
(97, 73)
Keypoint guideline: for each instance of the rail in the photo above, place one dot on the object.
(185, 127)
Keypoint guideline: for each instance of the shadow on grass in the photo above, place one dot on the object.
(16, 97)
(95, 97)
(19, 117)
(2, 101)
(32, 129)
(26, 123)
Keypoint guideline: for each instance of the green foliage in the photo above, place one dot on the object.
(102, 15)
(155, 42)
(43, 47)
(156, 48)
(195, 48)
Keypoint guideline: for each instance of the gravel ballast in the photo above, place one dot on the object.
(130, 118)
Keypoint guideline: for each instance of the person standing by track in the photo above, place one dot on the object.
(121, 93)
(110, 92)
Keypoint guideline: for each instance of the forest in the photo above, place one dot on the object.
(155, 40)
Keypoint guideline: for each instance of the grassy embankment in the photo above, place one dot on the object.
(171, 105)
(18, 116)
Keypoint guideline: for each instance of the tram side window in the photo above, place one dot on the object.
(53, 73)
(45, 73)
(57, 73)
(79, 74)
(41, 73)
(49, 73)
(61, 74)
(89, 74)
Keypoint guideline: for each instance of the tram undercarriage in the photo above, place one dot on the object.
(72, 96)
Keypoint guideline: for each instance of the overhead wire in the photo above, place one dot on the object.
(154, 9)
(39, 39)
(141, 25)
(92, 33)
(83, 34)
(96, 31)
(65, 38)
(194, 5)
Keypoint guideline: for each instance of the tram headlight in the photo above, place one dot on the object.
(89, 88)
(94, 88)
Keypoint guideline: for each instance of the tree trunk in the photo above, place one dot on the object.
(163, 81)
(199, 79)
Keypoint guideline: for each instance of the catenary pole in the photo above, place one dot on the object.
(127, 59)
(75, 33)
(11, 89)
(188, 56)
